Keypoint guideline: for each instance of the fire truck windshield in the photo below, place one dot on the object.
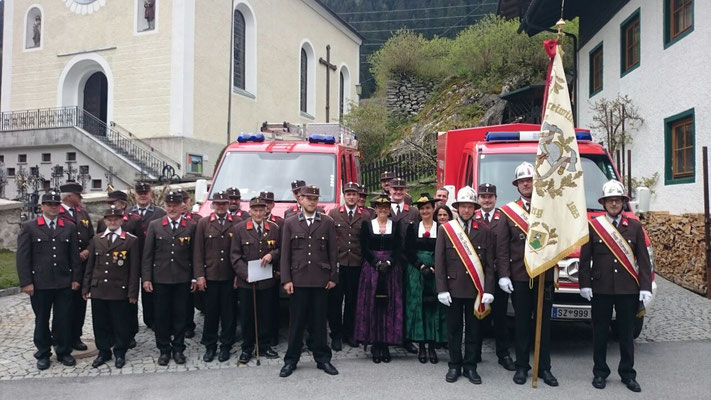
(274, 172)
(498, 170)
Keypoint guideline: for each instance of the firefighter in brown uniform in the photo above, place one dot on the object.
(255, 239)
(514, 279)
(490, 216)
(309, 269)
(111, 280)
(49, 269)
(73, 211)
(348, 219)
(195, 298)
(148, 212)
(296, 191)
(362, 201)
(167, 272)
(274, 315)
(607, 281)
(132, 225)
(455, 287)
(215, 277)
(236, 205)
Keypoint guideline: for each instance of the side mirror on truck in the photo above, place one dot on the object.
(200, 191)
(642, 198)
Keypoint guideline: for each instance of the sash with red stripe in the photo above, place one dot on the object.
(517, 214)
(471, 262)
(617, 244)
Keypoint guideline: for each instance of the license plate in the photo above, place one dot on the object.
(570, 313)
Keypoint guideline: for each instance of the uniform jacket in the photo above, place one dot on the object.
(113, 268)
(510, 247)
(168, 256)
(48, 258)
(496, 218)
(152, 213)
(295, 210)
(600, 270)
(348, 235)
(248, 245)
(407, 215)
(85, 229)
(309, 253)
(239, 216)
(131, 224)
(450, 273)
(277, 220)
(211, 254)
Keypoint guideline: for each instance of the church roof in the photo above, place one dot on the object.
(340, 20)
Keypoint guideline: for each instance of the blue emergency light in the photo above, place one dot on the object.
(250, 137)
(527, 136)
(325, 139)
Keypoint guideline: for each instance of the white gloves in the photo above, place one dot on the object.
(506, 285)
(487, 298)
(586, 293)
(645, 296)
(444, 298)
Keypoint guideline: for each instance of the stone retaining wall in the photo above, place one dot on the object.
(407, 96)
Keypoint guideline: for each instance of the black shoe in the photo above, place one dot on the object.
(120, 361)
(164, 359)
(377, 353)
(245, 357)
(410, 347)
(598, 382)
(209, 354)
(632, 385)
(422, 355)
(336, 344)
(352, 343)
(328, 368)
(472, 376)
(452, 375)
(433, 355)
(287, 370)
(270, 353)
(79, 345)
(548, 378)
(190, 333)
(507, 363)
(100, 360)
(67, 360)
(43, 363)
(179, 357)
(520, 376)
(224, 354)
(386, 354)
(132, 343)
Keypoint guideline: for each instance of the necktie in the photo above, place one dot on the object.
(259, 230)
(350, 213)
(51, 225)
(111, 237)
(71, 211)
(614, 223)
(467, 227)
(175, 226)
(486, 217)
(222, 221)
(142, 211)
(309, 221)
(398, 210)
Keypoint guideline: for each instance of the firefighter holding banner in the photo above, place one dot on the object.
(464, 275)
(615, 271)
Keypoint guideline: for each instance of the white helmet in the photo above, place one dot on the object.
(467, 194)
(524, 170)
(613, 188)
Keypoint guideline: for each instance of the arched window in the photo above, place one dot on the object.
(341, 98)
(34, 28)
(244, 50)
(307, 80)
(304, 88)
(238, 58)
(344, 92)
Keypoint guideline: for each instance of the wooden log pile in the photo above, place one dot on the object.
(679, 248)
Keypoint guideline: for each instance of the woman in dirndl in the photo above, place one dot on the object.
(379, 310)
(425, 317)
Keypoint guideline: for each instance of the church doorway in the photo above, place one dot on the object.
(96, 95)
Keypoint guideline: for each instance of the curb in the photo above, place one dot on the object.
(9, 291)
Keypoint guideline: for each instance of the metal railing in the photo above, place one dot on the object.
(152, 163)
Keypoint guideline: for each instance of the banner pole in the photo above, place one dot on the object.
(537, 343)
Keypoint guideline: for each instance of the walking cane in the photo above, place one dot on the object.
(256, 324)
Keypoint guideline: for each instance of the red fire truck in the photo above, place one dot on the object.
(324, 155)
(490, 154)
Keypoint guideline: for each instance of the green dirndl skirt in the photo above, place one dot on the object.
(425, 316)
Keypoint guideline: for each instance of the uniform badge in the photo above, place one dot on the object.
(85, 222)
(115, 256)
(120, 263)
(182, 239)
(231, 235)
(271, 242)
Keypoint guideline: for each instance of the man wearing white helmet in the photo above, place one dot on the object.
(615, 270)
(513, 278)
(464, 275)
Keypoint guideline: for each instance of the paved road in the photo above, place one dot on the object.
(672, 361)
